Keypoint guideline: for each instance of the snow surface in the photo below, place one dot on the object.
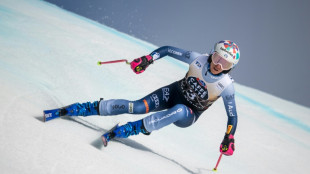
(48, 59)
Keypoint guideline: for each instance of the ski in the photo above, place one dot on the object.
(106, 137)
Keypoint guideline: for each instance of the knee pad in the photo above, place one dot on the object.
(187, 117)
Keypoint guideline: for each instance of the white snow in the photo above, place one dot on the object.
(48, 59)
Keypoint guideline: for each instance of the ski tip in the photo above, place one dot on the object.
(44, 118)
(104, 141)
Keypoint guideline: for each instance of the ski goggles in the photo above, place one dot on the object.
(217, 59)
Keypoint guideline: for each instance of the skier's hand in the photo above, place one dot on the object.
(140, 64)
(228, 145)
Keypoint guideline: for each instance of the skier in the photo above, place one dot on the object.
(181, 102)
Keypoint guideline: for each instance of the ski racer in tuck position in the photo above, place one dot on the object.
(180, 103)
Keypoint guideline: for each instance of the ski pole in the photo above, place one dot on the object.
(113, 61)
(218, 162)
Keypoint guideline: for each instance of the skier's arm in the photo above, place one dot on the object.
(139, 65)
(177, 53)
(228, 144)
(228, 96)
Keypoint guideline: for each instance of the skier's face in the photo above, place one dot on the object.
(215, 69)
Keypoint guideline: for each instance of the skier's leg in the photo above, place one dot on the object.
(117, 106)
(149, 103)
(155, 101)
(180, 115)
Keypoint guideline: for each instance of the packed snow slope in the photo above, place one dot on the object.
(48, 59)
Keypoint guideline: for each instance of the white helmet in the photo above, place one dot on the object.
(228, 50)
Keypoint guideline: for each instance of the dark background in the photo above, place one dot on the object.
(273, 35)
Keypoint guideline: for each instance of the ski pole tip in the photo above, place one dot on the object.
(214, 170)
(98, 63)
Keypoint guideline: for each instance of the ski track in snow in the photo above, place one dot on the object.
(128, 142)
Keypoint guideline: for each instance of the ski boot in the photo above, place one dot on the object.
(76, 109)
(124, 131)
(84, 109)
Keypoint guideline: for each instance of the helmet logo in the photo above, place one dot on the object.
(227, 51)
